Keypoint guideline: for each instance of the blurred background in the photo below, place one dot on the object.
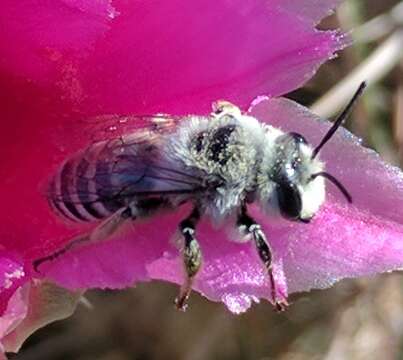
(360, 319)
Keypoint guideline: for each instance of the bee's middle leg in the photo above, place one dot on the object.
(192, 256)
(251, 228)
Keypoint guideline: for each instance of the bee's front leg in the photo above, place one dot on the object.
(192, 257)
(251, 228)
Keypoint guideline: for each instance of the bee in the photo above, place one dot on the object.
(220, 164)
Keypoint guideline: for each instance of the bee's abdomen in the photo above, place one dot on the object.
(80, 192)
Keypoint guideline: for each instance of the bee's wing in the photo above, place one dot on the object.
(132, 164)
(105, 127)
(124, 161)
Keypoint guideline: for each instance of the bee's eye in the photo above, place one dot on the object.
(298, 138)
(289, 200)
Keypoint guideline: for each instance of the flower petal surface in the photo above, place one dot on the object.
(66, 60)
(343, 240)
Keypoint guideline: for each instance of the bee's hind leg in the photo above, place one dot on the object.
(192, 257)
(251, 228)
(101, 232)
(109, 227)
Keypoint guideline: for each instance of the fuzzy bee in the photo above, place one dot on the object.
(220, 164)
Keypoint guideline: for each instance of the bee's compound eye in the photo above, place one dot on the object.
(298, 138)
(289, 200)
(305, 220)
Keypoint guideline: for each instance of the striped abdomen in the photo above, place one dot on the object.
(110, 175)
(82, 189)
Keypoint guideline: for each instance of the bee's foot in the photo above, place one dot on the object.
(181, 302)
(280, 305)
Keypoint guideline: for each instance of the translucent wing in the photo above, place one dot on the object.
(104, 127)
(103, 178)
(124, 161)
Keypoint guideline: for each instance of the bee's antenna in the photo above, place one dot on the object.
(336, 182)
(344, 114)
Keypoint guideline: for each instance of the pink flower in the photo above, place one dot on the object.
(66, 60)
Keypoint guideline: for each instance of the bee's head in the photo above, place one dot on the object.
(298, 195)
(296, 176)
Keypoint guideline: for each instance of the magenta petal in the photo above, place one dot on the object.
(311, 10)
(232, 50)
(118, 60)
(67, 59)
(15, 312)
(12, 277)
(231, 273)
(343, 240)
(376, 187)
(118, 262)
(34, 35)
(173, 56)
(11, 274)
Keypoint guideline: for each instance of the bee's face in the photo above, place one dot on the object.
(291, 178)
(299, 195)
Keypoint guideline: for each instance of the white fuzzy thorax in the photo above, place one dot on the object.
(252, 153)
